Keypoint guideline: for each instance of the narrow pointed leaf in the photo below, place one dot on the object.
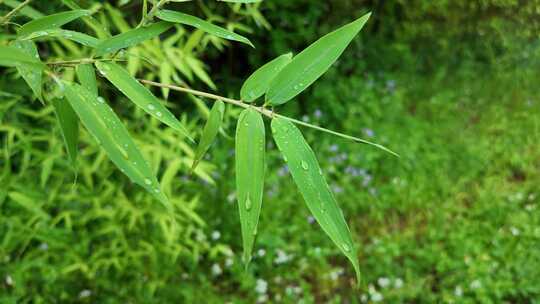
(250, 167)
(98, 28)
(257, 84)
(100, 120)
(210, 131)
(131, 38)
(312, 62)
(87, 77)
(31, 73)
(139, 95)
(199, 23)
(69, 126)
(51, 21)
(12, 56)
(81, 38)
(311, 183)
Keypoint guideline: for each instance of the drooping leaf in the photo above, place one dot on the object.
(257, 84)
(139, 95)
(306, 67)
(311, 183)
(199, 23)
(100, 120)
(210, 131)
(87, 77)
(51, 21)
(81, 38)
(12, 56)
(31, 73)
(69, 126)
(250, 167)
(27, 11)
(131, 38)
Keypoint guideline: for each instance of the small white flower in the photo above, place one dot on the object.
(85, 293)
(458, 292)
(363, 298)
(216, 270)
(229, 262)
(262, 298)
(261, 286)
(383, 282)
(261, 252)
(231, 197)
(476, 284)
(376, 297)
(9, 280)
(514, 231)
(44, 246)
(281, 257)
(216, 235)
(398, 283)
(297, 290)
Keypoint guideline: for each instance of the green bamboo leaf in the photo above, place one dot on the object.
(311, 63)
(257, 84)
(199, 23)
(12, 56)
(310, 181)
(81, 38)
(250, 167)
(100, 120)
(210, 131)
(131, 38)
(69, 126)
(51, 21)
(31, 73)
(98, 28)
(139, 95)
(87, 77)
(27, 11)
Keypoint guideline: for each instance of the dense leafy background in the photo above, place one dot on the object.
(451, 85)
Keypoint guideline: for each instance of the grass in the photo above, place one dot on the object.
(455, 219)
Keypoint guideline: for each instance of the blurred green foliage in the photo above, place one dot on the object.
(451, 85)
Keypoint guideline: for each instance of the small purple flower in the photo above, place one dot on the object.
(333, 148)
(317, 113)
(283, 170)
(337, 189)
(367, 180)
(368, 132)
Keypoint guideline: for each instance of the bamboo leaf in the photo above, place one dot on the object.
(100, 120)
(241, 1)
(306, 67)
(98, 28)
(12, 56)
(87, 77)
(257, 84)
(210, 131)
(69, 126)
(250, 167)
(199, 23)
(312, 185)
(81, 38)
(31, 73)
(51, 21)
(139, 95)
(131, 38)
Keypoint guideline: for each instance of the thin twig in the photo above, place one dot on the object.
(8, 16)
(265, 112)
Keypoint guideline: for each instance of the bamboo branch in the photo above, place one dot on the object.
(14, 11)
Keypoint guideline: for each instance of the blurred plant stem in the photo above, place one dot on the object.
(14, 11)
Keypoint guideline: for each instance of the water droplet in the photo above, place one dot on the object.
(285, 158)
(346, 247)
(147, 181)
(100, 99)
(248, 203)
(304, 165)
(156, 190)
(159, 114)
(151, 107)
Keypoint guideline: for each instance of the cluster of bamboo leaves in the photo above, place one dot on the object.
(280, 80)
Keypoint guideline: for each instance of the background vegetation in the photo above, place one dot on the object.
(451, 85)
